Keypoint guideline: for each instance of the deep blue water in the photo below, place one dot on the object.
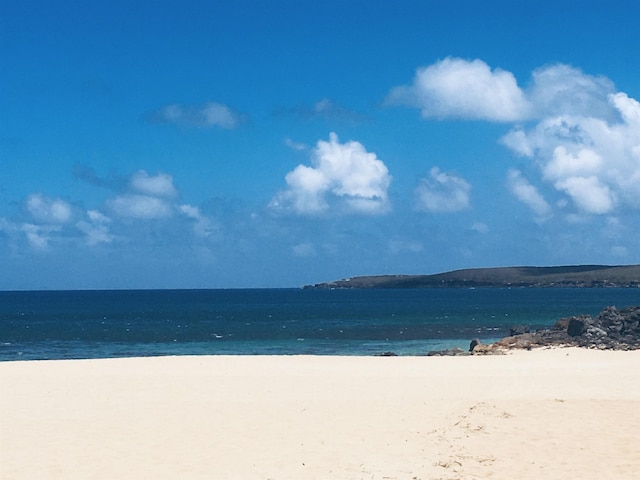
(98, 324)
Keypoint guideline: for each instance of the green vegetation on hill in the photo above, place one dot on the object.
(588, 276)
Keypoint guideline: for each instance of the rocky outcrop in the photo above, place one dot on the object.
(518, 330)
(612, 329)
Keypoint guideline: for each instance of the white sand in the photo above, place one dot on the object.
(547, 414)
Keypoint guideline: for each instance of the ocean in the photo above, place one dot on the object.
(37, 325)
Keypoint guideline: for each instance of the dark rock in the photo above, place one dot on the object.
(518, 330)
(388, 354)
(561, 324)
(612, 329)
(594, 331)
(576, 327)
(474, 343)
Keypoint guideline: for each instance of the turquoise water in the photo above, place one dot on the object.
(102, 324)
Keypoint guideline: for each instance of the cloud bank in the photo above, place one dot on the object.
(342, 175)
(138, 199)
(593, 161)
(582, 136)
(48, 210)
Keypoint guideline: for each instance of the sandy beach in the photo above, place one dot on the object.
(551, 413)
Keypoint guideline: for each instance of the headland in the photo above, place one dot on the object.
(571, 276)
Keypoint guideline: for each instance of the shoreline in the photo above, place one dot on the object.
(552, 412)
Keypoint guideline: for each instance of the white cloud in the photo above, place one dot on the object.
(142, 197)
(96, 230)
(307, 189)
(96, 217)
(297, 146)
(585, 142)
(39, 236)
(592, 160)
(457, 88)
(565, 90)
(323, 106)
(203, 226)
(148, 197)
(160, 185)
(48, 210)
(442, 192)
(140, 206)
(528, 194)
(519, 142)
(588, 193)
(211, 114)
(564, 164)
(628, 108)
(342, 172)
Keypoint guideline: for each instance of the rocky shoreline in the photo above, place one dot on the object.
(612, 329)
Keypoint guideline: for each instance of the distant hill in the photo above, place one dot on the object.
(587, 276)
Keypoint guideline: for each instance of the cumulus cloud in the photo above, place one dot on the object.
(296, 146)
(48, 210)
(211, 114)
(138, 197)
(140, 206)
(442, 192)
(147, 197)
(39, 236)
(160, 185)
(565, 90)
(96, 229)
(458, 88)
(588, 193)
(528, 194)
(202, 225)
(582, 135)
(471, 90)
(594, 161)
(341, 172)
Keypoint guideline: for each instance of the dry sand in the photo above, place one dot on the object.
(546, 414)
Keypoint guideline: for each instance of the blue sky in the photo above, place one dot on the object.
(278, 143)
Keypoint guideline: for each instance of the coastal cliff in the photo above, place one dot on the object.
(574, 276)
